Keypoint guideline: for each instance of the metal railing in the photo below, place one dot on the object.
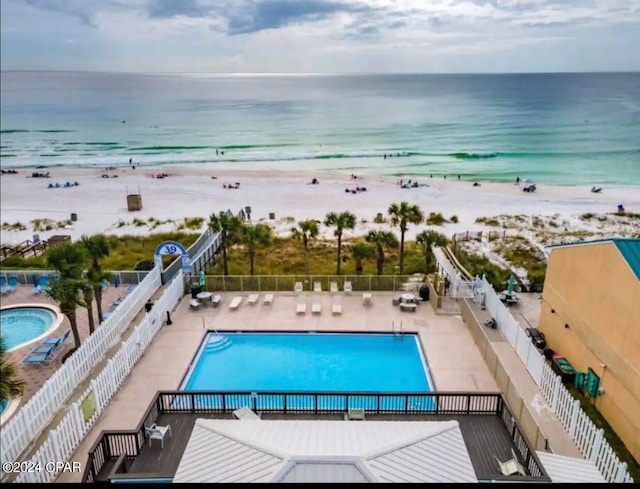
(123, 277)
(112, 444)
(286, 283)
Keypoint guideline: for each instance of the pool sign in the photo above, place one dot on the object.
(186, 262)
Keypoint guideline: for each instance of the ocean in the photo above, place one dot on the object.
(558, 129)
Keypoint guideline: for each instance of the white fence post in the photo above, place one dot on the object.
(574, 418)
(621, 472)
(597, 443)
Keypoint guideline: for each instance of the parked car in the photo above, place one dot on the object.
(537, 338)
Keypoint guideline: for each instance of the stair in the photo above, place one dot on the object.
(217, 343)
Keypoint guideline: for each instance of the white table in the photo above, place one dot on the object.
(408, 297)
(204, 296)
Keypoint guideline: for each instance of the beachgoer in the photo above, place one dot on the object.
(517, 180)
(458, 176)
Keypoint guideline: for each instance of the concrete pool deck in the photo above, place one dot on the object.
(454, 360)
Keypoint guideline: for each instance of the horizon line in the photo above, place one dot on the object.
(285, 73)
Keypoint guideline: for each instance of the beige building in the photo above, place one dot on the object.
(591, 316)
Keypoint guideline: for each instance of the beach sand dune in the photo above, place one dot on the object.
(189, 191)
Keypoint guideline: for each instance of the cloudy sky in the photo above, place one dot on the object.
(307, 36)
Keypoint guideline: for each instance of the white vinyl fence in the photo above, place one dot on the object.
(588, 438)
(81, 415)
(29, 422)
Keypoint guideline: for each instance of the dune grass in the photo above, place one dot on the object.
(126, 253)
(285, 256)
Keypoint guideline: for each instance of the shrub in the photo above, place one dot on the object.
(454, 218)
(436, 219)
(144, 265)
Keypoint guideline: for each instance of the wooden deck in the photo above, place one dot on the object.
(485, 437)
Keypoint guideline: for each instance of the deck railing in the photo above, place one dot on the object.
(286, 283)
(112, 444)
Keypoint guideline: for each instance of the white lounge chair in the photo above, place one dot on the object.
(246, 414)
(253, 298)
(155, 432)
(333, 287)
(215, 300)
(366, 298)
(316, 306)
(347, 287)
(194, 304)
(336, 307)
(317, 287)
(297, 288)
(301, 308)
(511, 467)
(235, 302)
(268, 299)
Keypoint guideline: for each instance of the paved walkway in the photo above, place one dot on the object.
(36, 377)
(559, 440)
(454, 361)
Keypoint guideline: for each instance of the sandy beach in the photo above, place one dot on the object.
(190, 191)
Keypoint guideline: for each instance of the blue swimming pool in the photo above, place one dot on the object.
(20, 325)
(3, 406)
(314, 362)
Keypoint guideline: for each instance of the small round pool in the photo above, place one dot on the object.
(23, 324)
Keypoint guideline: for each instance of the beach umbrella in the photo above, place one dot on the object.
(201, 279)
(527, 180)
(510, 283)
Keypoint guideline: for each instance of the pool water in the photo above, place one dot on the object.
(3, 406)
(21, 325)
(319, 362)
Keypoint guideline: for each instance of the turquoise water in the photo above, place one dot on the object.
(3, 406)
(564, 129)
(285, 362)
(20, 325)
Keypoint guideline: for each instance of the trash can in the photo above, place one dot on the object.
(424, 292)
(74, 217)
(272, 215)
(148, 306)
(195, 290)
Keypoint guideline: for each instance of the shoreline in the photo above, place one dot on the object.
(359, 164)
(190, 191)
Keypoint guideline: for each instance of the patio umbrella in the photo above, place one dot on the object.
(34, 279)
(201, 279)
(510, 283)
(116, 280)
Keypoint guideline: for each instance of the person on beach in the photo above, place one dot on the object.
(517, 180)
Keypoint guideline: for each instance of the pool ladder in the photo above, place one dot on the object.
(393, 328)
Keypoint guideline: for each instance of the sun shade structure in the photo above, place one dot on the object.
(325, 451)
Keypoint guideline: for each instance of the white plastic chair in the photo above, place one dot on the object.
(155, 432)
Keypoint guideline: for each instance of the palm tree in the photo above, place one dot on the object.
(98, 247)
(229, 227)
(381, 240)
(359, 252)
(341, 221)
(66, 292)
(254, 236)
(428, 239)
(402, 214)
(68, 260)
(11, 386)
(306, 231)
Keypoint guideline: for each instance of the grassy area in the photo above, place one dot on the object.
(519, 252)
(616, 443)
(127, 253)
(285, 256)
(479, 265)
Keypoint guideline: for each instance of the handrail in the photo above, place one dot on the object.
(191, 402)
